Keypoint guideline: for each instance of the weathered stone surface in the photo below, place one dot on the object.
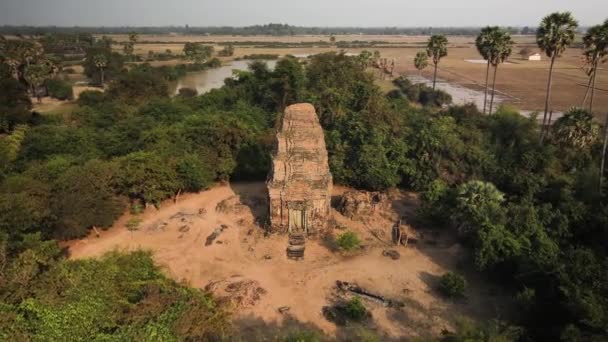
(356, 204)
(391, 253)
(299, 183)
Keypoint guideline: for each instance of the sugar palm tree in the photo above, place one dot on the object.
(484, 44)
(101, 62)
(437, 48)
(36, 75)
(421, 61)
(554, 35)
(595, 44)
(577, 128)
(502, 46)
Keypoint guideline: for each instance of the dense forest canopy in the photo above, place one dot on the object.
(530, 213)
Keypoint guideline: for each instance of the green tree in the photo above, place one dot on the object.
(577, 128)
(555, 33)
(129, 45)
(494, 45)
(421, 61)
(348, 241)
(36, 75)
(83, 197)
(145, 176)
(197, 52)
(452, 285)
(437, 48)
(287, 82)
(501, 50)
(477, 203)
(193, 173)
(595, 50)
(365, 58)
(101, 63)
(15, 104)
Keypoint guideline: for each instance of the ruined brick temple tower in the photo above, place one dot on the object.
(299, 183)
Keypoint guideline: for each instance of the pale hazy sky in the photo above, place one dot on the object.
(403, 13)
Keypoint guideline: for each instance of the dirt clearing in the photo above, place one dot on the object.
(251, 270)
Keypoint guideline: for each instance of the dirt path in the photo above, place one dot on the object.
(242, 252)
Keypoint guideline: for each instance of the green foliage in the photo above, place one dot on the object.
(227, 51)
(145, 176)
(577, 128)
(15, 104)
(119, 297)
(348, 241)
(355, 310)
(469, 331)
(421, 60)
(477, 204)
(61, 90)
(197, 52)
(112, 62)
(452, 285)
(437, 47)
(91, 98)
(187, 92)
(133, 224)
(137, 86)
(193, 173)
(425, 95)
(556, 32)
(83, 198)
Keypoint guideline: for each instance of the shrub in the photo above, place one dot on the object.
(355, 310)
(136, 208)
(348, 241)
(60, 89)
(133, 224)
(452, 285)
(187, 92)
(302, 336)
(91, 98)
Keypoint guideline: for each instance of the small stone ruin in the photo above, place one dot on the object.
(358, 204)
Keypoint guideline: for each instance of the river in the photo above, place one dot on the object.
(462, 95)
(204, 81)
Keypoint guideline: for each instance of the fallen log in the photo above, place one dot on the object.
(354, 288)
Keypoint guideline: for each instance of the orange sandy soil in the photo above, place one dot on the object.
(304, 286)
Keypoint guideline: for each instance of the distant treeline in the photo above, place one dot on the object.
(268, 29)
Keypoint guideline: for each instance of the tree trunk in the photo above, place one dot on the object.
(485, 96)
(593, 88)
(547, 98)
(587, 91)
(102, 78)
(602, 166)
(435, 76)
(493, 89)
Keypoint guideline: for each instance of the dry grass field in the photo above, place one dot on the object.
(522, 82)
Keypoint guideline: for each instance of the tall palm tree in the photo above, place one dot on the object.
(554, 35)
(484, 45)
(595, 44)
(501, 50)
(101, 62)
(36, 75)
(437, 48)
(421, 61)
